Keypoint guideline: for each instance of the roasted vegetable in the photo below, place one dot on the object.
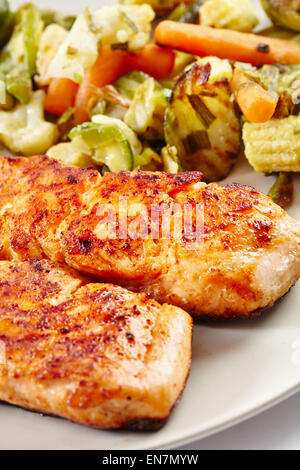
(128, 133)
(284, 13)
(177, 12)
(231, 14)
(18, 58)
(221, 69)
(19, 55)
(273, 146)
(148, 100)
(20, 88)
(282, 82)
(201, 122)
(105, 143)
(24, 129)
(70, 154)
(115, 24)
(7, 22)
(146, 112)
(31, 28)
(256, 103)
(128, 84)
(282, 191)
(61, 94)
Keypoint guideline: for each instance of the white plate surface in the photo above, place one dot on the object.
(239, 368)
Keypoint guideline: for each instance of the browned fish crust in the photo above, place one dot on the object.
(95, 354)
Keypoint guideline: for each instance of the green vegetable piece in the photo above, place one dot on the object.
(20, 88)
(201, 122)
(284, 13)
(178, 11)
(31, 31)
(282, 191)
(128, 84)
(146, 112)
(64, 118)
(105, 143)
(18, 58)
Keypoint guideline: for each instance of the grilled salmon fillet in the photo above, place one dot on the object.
(248, 257)
(96, 354)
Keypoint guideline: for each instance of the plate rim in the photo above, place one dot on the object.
(231, 422)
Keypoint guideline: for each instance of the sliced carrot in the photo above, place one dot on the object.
(60, 95)
(227, 44)
(155, 60)
(108, 68)
(111, 64)
(256, 103)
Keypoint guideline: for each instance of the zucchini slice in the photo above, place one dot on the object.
(106, 145)
(201, 121)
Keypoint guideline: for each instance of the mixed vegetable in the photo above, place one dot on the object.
(158, 85)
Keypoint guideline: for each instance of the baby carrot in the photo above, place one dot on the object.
(227, 44)
(256, 103)
(60, 95)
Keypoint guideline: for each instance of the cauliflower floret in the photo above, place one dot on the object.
(231, 14)
(24, 129)
(109, 25)
(51, 40)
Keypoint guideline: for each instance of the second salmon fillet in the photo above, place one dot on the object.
(96, 354)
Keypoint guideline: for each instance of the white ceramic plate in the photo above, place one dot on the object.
(239, 368)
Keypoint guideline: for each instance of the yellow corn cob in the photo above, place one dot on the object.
(273, 146)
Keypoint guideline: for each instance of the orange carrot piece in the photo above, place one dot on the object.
(111, 64)
(60, 95)
(227, 44)
(154, 60)
(108, 68)
(256, 103)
